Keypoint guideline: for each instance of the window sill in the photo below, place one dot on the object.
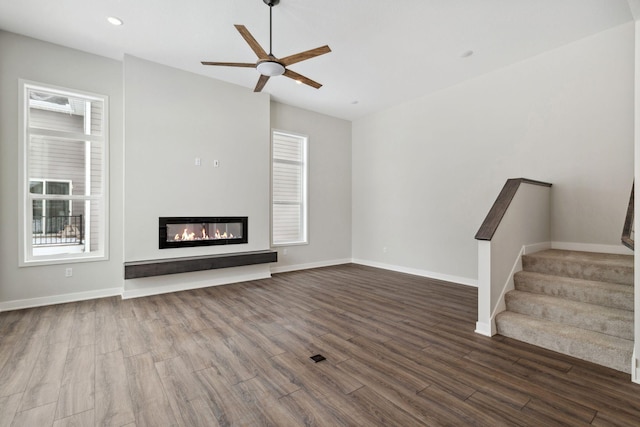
(61, 260)
(284, 245)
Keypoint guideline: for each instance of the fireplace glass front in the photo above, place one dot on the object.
(179, 232)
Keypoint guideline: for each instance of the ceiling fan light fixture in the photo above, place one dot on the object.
(270, 68)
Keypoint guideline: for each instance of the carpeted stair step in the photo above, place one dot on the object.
(605, 320)
(592, 292)
(599, 267)
(605, 350)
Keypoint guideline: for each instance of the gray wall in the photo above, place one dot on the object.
(25, 58)
(419, 180)
(425, 173)
(329, 187)
(174, 117)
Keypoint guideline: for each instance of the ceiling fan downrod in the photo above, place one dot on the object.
(271, 3)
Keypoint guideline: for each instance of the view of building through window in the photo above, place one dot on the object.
(64, 145)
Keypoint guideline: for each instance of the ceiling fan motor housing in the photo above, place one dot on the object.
(271, 3)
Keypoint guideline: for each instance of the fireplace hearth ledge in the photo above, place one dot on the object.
(162, 267)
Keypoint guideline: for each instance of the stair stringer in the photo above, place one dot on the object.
(509, 284)
(635, 369)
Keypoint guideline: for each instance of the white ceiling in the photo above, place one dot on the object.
(383, 52)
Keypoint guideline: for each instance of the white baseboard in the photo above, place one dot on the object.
(592, 247)
(536, 247)
(306, 266)
(165, 289)
(58, 299)
(417, 272)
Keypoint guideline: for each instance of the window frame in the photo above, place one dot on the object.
(25, 208)
(304, 217)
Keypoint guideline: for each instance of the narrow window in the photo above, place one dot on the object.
(289, 189)
(64, 178)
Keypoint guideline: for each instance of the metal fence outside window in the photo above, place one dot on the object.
(57, 230)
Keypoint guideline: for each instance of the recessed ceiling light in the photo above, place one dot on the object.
(466, 54)
(114, 21)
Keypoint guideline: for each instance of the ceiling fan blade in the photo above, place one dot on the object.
(302, 79)
(261, 82)
(255, 46)
(308, 54)
(230, 64)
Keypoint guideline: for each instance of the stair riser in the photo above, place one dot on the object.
(579, 270)
(583, 291)
(585, 316)
(615, 358)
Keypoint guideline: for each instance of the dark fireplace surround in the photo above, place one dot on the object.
(185, 232)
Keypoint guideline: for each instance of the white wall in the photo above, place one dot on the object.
(172, 117)
(426, 172)
(30, 59)
(635, 370)
(329, 188)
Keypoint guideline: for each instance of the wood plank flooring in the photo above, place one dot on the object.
(400, 351)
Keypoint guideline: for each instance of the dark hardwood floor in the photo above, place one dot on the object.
(400, 351)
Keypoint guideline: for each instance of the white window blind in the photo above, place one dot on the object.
(289, 189)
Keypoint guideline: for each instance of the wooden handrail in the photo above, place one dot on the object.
(627, 230)
(497, 211)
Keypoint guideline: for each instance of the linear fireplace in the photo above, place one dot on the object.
(180, 232)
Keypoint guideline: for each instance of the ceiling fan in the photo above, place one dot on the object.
(268, 65)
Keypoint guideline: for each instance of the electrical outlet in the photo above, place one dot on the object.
(68, 272)
(216, 163)
(284, 251)
(197, 162)
(384, 249)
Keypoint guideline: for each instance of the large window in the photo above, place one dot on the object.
(289, 189)
(63, 174)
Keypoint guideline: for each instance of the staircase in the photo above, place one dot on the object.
(575, 303)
